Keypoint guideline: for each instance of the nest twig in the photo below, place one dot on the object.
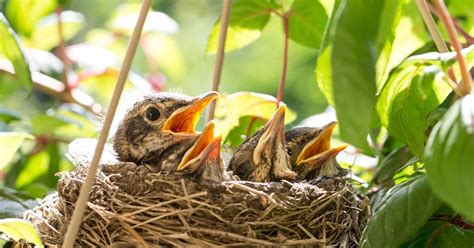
(131, 205)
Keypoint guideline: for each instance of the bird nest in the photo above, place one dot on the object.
(132, 205)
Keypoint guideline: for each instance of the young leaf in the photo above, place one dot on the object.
(246, 22)
(9, 144)
(18, 229)
(11, 48)
(407, 99)
(449, 157)
(230, 108)
(72, 22)
(24, 14)
(307, 22)
(358, 36)
(403, 210)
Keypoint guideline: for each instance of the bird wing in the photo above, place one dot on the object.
(82, 150)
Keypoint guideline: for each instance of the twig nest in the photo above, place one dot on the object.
(132, 205)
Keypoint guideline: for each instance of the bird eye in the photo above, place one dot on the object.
(152, 114)
(290, 152)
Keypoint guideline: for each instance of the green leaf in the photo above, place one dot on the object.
(246, 22)
(449, 157)
(9, 144)
(410, 35)
(351, 65)
(18, 229)
(391, 164)
(440, 234)
(72, 22)
(36, 167)
(8, 116)
(24, 14)
(247, 126)
(403, 210)
(408, 98)
(307, 22)
(230, 108)
(45, 124)
(11, 48)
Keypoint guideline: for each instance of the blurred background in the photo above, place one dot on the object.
(75, 61)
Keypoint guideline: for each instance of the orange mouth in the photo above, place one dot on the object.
(207, 146)
(320, 146)
(184, 119)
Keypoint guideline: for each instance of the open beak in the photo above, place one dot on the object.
(206, 147)
(319, 148)
(274, 132)
(184, 119)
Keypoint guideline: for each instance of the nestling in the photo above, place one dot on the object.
(159, 129)
(262, 157)
(202, 161)
(310, 152)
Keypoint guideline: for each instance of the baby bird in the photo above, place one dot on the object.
(262, 157)
(310, 152)
(202, 161)
(159, 129)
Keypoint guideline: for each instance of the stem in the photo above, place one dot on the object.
(424, 9)
(466, 83)
(219, 56)
(285, 59)
(62, 49)
(81, 202)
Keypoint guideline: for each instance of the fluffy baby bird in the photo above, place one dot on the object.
(159, 129)
(202, 161)
(310, 152)
(262, 157)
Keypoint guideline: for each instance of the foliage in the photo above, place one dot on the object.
(374, 62)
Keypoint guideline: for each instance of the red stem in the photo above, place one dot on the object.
(62, 50)
(466, 83)
(285, 60)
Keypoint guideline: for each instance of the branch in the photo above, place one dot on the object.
(62, 49)
(81, 202)
(53, 87)
(466, 83)
(219, 56)
(285, 59)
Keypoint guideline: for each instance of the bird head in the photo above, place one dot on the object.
(158, 122)
(262, 157)
(310, 150)
(203, 160)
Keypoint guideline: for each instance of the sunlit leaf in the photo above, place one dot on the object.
(245, 104)
(246, 21)
(449, 157)
(357, 44)
(44, 61)
(9, 144)
(10, 48)
(307, 22)
(247, 126)
(18, 229)
(24, 14)
(125, 17)
(403, 210)
(72, 22)
(100, 84)
(410, 35)
(408, 98)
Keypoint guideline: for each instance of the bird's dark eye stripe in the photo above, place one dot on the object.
(152, 114)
